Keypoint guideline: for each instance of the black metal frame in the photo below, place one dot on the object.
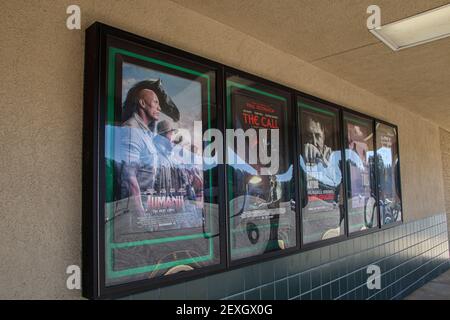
(390, 225)
(371, 120)
(93, 256)
(93, 262)
(228, 71)
(342, 109)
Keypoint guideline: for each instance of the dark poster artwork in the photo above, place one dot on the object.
(321, 174)
(359, 155)
(261, 217)
(388, 170)
(159, 221)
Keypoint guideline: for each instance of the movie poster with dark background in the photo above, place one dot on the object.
(321, 173)
(262, 219)
(359, 155)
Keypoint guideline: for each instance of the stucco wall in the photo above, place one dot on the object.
(41, 127)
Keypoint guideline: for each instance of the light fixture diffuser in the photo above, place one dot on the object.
(419, 29)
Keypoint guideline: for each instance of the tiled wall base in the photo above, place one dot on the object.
(408, 256)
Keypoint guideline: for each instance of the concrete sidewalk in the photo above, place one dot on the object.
(436, 289)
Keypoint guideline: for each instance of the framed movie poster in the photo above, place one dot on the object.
(360, 169)
(156, 204)
(262, 217)
(323, 215)
(388, 173)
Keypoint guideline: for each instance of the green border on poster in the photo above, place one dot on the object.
(229, 85)
(110, 245)
(315, 109)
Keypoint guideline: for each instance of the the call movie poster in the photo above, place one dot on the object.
(262, 218)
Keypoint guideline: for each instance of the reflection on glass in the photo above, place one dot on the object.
(388, 167)
(359, 155)
(320, 164)
(261, 213)
(161, 207)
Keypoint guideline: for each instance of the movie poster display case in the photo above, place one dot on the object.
(321, 172)
(260, 178)
(191, 167)
(151, 204)
(361, 189)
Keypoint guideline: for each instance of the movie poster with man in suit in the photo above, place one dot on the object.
(321, 167)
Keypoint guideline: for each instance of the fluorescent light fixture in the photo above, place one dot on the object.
(419, 29)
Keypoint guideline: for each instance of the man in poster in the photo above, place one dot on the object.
(323, 209)
(315, 149)
(139, 155)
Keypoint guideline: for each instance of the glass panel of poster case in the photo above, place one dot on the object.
(360, 165)
(161, 199)
(321, 178)
(260, 178)
(388, 174)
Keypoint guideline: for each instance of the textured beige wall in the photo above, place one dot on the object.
(41, 126)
